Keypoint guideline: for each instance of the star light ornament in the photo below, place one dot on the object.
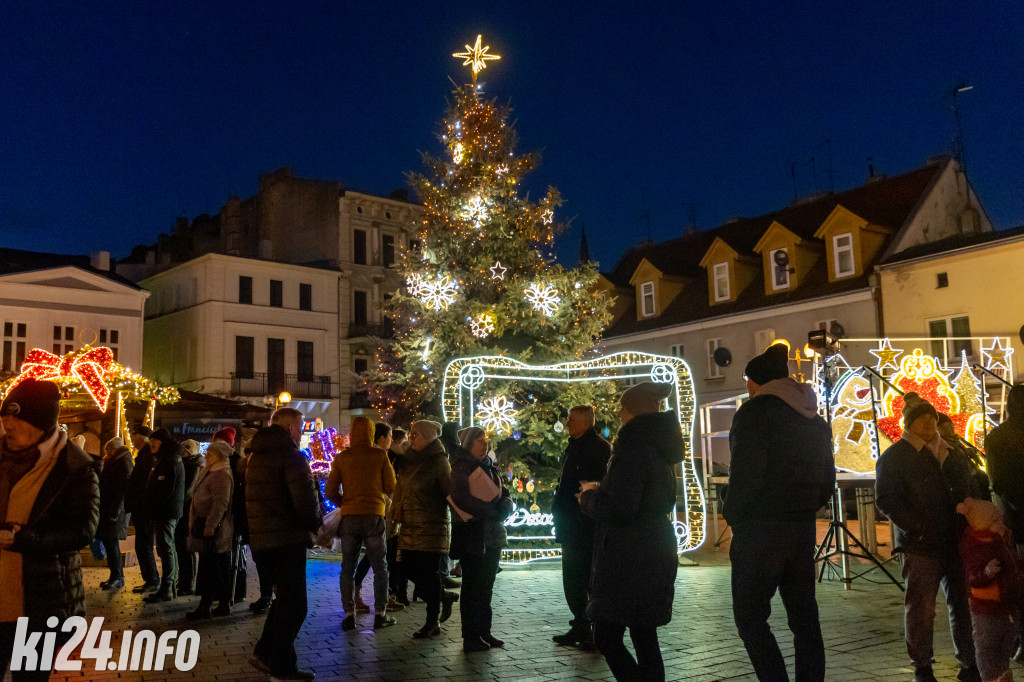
(547, 216)
(475, 210)
(436, 295)
(886, 356)
(998, 357)
(476, 56)
(496, 415)
(498, 270)
(544, 300)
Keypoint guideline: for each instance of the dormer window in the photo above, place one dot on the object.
(647, 299)
(779, 262)
(721, 278)
(842, 251)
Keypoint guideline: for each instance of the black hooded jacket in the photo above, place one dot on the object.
(586, 459)
(1004, 450)
(634, 541)
(165, 485)
(133, 500)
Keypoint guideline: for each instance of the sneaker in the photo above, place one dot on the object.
(471, 644)
(383, 621)
(395, 606)
(361, 606)
(427, 631)
(349, 623)
(447, 599)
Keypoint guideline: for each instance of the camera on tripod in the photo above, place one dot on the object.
(823, 343)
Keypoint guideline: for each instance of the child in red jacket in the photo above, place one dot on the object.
(992, 577)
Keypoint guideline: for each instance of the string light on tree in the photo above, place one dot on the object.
(497, 415)
(544, 299)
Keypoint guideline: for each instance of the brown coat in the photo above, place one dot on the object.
(211, 500)
(421, 506)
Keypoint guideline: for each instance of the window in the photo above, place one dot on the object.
(647, 298)
(950, 327)
(677, 351)
(276, 293)
(388, 251)
(14, 346)
(359, 307)
(415, 245)
(359, 247)
(275, 361)
(763, 339)
(721, 277)
(942, 280)
(68, 335)
(780, 273)
(360, 365)
(827, 325)
(244, 289)
(714, 371)
(842, 250)
(244, 346)
(110, 338)
(305, 297)
(305, 356)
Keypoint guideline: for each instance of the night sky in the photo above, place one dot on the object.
(118, 117)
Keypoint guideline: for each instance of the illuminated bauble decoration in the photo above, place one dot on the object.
(435, 294)
(558, 427)
(482, 326)
(530, 487)
(607, 432)
(517, 434)
(886, 355)
(498, 270)
(502, 169)
(476, 56)
(475, 211)
(544, 299)
(497, 415)
(997, 356)
(547, 216)
(457, 153)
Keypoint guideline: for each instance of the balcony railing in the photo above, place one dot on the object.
(360, 400)
(384, 330)
(261, 383)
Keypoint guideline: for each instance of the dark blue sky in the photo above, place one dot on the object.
(115, 117)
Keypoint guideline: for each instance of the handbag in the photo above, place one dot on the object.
(99, 553)
(329, 530)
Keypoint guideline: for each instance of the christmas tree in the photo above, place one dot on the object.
(482, 281)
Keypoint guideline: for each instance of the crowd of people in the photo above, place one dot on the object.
(423, 511)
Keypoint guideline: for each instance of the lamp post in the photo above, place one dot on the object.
(276, 401)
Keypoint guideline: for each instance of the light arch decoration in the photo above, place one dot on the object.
(470, 382)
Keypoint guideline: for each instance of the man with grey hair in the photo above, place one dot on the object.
(586, 459)
(284, 515)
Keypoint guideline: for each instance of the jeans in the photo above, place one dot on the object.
(577, 553)
(112, 547)
(924, 575)
(995, 640)
(648, 665)
(478, 572)
(163, 530)
(144, 548)
(285, 568)
(213, 580)
(355, 530)
(421, 568)
(769, 556)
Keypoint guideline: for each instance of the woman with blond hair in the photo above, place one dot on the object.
(211, 527)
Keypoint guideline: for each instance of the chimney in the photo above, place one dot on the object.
(100, 260)
(150, 257)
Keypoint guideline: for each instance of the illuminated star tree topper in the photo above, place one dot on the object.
(476, 56)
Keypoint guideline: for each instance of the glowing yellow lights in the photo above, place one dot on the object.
(436, 295)
(475, 211)
(458, 153)
(483, 325)
(544, 300)
(998, 357)
(886, 355)
(498, 270)
(497, 415)
(476, 56)
(547, 216)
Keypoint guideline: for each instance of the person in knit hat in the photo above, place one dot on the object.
(192, 459)
(781, 473)
(919, 481)
(634, 543)
(227, 434)
(49, 509)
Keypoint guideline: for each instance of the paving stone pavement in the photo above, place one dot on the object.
(862, 629)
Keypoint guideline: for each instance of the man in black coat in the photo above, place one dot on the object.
(134, 504)
(586, 459)
(919, 480)
(164, 499)
(284, 515)
(782, 472)
(49, 509)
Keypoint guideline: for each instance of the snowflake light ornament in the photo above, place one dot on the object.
(482, 326)
(497, 415)
(437, 294)
(502, 169)
(475, 210)
(545, 300)
(458, 153)
(414, 283)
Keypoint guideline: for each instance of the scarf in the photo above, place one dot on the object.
(936, 446)
(21, 499)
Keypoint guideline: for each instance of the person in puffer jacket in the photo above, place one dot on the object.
(782, 472)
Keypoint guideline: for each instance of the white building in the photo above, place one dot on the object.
(61, 303)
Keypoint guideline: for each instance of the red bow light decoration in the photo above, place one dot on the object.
(89, 369)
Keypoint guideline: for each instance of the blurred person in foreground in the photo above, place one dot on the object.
(634, 540)
(782, 472)
(49, 511)
(284, 515)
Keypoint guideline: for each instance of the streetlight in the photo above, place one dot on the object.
(276, 401)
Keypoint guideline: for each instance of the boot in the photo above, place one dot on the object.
(167, 592)
(470, 644)
(223, 609)
(202, 612)
(382, 620)
(447, 599)
(112, 584)
(431, 629)
(361, 606)
(924, 673)
(492, 641)
(146, 586)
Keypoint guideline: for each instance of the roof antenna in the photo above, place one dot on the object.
(792, 174)
(958, 143)
(871, 167)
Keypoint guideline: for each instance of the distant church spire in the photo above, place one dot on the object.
(584, 251)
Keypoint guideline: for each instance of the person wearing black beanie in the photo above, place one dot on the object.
(47, 519)
(164, 499)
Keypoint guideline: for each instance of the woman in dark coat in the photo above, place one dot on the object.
(634, 541)
(164, 497)
(117, 469)
(211, 532)
(477, 542)
(192, 459)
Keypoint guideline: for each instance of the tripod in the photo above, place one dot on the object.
(837, 543)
